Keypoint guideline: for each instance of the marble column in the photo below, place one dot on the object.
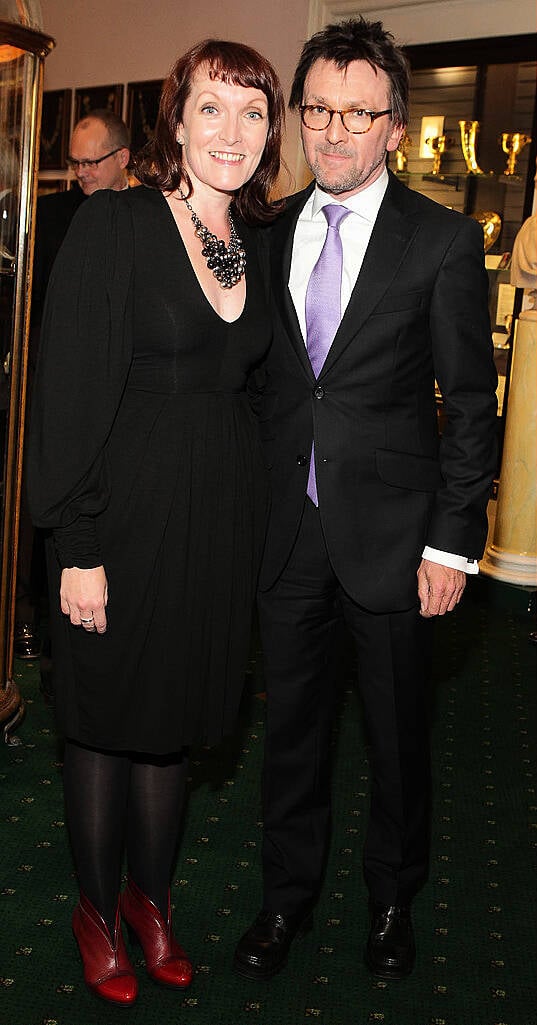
(511, 555)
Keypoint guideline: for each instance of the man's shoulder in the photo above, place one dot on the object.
(421, 206)
(59, 202)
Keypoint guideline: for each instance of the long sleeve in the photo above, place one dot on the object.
(84, 359)
(464, 369)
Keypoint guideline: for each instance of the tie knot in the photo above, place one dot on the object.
(335, 214)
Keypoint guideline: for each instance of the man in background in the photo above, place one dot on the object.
(99, 155)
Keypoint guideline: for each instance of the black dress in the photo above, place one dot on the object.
(144, 455)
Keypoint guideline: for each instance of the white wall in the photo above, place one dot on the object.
(428, 21)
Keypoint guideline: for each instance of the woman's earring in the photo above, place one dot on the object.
(180, 140)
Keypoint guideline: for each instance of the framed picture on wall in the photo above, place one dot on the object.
(99, 97)
(142, 109)
(55, 124)
(47, 185)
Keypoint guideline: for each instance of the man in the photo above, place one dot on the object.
(99, 156)
(394, 517)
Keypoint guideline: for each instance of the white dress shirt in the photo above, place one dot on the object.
(355, 232)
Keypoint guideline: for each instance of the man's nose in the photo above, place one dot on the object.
(336, 131)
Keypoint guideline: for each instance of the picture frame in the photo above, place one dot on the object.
(142, 109)
(45, 186)
(99, 97)
(55, 125)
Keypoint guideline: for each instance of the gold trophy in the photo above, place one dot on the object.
(469, 130)
(513, 143)
(439, 145)
(491, 224)
(401, 153)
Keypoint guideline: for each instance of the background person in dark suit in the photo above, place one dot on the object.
(395, 517)
(99, 155)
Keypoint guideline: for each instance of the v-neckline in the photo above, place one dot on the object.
(195, 276)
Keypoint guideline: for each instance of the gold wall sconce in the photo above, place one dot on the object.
(513, 143)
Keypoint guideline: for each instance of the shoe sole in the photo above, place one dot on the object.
(254, 974)
(397, 975)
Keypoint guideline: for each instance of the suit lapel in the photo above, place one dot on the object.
(281, 253)
(390, 240)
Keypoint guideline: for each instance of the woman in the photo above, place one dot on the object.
(145, 466)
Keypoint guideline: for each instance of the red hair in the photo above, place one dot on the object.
(160, 163)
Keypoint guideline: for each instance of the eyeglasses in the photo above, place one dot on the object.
(76, 164)
(355, 120)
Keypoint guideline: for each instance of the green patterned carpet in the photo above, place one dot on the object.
(475, 921)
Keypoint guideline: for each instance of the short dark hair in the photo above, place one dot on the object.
(355, 40)
(160, 164)
(118, 133)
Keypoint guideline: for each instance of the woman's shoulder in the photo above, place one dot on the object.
(139, 197)
(108, 210)
(109, 201)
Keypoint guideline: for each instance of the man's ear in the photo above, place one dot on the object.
(395, 138)
(124, 156)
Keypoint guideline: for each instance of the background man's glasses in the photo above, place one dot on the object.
(75, 165)
(355, 119)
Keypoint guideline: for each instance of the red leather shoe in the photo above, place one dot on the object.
(107, 970)
(165, 961)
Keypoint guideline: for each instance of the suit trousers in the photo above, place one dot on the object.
(300, 621)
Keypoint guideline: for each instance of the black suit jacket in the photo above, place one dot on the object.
(53, 217)
(387, 484)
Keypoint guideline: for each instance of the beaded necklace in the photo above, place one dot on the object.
(227, 263)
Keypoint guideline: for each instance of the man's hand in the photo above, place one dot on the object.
(440, 588)
(83, 596)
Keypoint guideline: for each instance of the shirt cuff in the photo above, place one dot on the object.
(451, 560)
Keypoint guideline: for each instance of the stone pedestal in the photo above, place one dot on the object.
(511, 555)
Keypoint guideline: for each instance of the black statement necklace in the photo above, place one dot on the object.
(227, 263)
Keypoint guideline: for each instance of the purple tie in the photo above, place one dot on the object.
(323, 306)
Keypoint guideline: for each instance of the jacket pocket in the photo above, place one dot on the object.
(406, 470)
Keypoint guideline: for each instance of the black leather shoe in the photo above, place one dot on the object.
(391, 950)
(264, 948)
(25, 642)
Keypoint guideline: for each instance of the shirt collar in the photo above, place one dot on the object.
(365, 203)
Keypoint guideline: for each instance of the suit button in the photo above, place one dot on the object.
(318, 392)
(302, 460)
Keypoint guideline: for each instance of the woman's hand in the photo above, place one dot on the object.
(84, 596)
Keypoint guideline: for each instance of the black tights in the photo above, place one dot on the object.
(113, 799)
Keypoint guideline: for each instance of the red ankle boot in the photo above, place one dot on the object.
(165, 961)
(107, 970)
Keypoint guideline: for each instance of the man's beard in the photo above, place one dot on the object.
(348, 181)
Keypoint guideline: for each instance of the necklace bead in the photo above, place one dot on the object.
(228, 263)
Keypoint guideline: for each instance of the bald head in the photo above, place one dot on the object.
(100, 134)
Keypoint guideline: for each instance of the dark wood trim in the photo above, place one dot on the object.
(24, 38)
(469, 52)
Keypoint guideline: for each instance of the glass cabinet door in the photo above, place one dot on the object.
(22, 49)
